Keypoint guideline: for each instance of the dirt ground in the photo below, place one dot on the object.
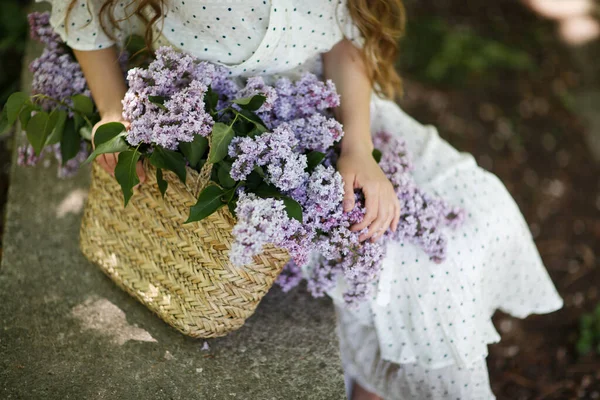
(521, 126)
(520, 123)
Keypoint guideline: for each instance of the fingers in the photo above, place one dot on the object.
(396, 218)
(372, 207)
(111, 162)
(101, 159)
(381, 223)
(383, 213)
(348, 202)
(140, 171)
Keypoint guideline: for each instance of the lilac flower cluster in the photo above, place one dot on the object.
(56, 78)
(165, 102)
(41, 31)
(317, 132)
(259, 221)
(256, 85)
(422, 215)
(273, 150)
(56, 74)
(306, 97)
(26, 157)
(340, 254)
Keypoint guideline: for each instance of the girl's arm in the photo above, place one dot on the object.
(344, 65)
(104, 77)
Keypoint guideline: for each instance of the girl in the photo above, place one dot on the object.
(424, 333)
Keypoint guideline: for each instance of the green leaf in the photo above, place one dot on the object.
(250, 116)
(79, 121)
(583, 346)
(38, 130)
(86, 132)
(259, 170)
(162, 184)
(59, 126)
(586, 321)
(208, 202)
(113, 145)
(293, 208)
(211, 99)
(377, 155)
(255, 132)
(266, 190)
(70, 142)
(224, 175)
(158, 101)
(194, 151)
(25, 115)
(222, 135)
(14, 104)
(125, 172)
(83, 104)
(232, 205)
(108, 131)
(313, 159)
(170, 160)
(135, 44)
(251, 103)
(254, 180)
(3, 121)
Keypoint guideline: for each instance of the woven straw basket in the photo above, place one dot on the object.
(180, 271)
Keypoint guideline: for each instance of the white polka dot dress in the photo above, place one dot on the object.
(425, 332)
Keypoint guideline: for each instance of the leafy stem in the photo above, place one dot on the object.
(62, 103)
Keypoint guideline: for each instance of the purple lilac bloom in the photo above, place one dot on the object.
(72, 166)
(316, 132)
(256, 85)
(324, 195)
(259, 221)
(303, 98)
(41, 30)
(340, 252)
(182, 81)
(58, 77)
(26, 157)
(323, 277)
(290, 276)
(56, 74)
(285, 168)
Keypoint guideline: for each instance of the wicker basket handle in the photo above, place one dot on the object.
(203, 178)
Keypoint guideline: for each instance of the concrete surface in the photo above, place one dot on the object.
(67, 332)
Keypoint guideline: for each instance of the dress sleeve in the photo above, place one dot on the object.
(81, 28)
(349, 29)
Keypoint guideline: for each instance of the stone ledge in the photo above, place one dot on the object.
(67, 332)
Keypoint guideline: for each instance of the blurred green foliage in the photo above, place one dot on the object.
(589, 333)
(13, 37)
(438, 53)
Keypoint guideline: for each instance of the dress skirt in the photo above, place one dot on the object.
(425, 331)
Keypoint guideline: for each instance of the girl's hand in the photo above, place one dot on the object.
(108, 161)
(360, 171)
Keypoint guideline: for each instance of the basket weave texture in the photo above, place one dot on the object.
(180, 271)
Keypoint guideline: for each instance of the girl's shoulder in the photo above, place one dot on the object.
(82, 27)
